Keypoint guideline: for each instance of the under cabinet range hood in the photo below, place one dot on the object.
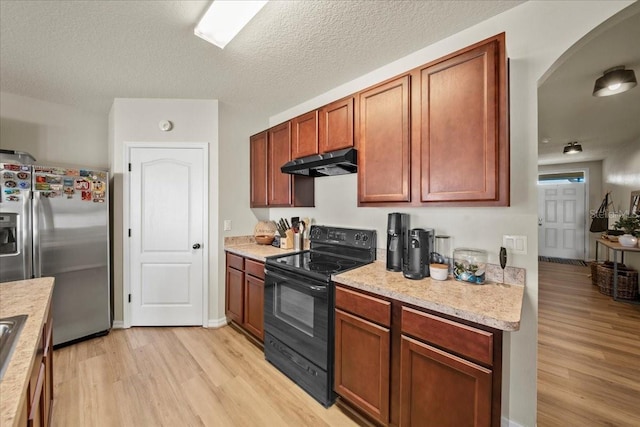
(337, 162)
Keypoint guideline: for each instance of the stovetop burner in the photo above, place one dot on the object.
(333, 250)
(315, 262)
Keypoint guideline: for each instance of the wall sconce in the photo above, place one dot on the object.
(615, 80)
(572, 148)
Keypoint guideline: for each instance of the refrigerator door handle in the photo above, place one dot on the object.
(196, 246)
(35, 218)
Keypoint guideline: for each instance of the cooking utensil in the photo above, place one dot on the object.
(503, 260)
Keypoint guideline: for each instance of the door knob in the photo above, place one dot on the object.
(196, 246)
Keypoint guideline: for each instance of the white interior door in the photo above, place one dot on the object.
(561, 220)
(168, 199)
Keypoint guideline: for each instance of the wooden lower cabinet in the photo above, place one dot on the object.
(234, 299)
(244, 299)
(404, 366)
(362, 364)
(441, 389)
(38, 402)
(254, 305)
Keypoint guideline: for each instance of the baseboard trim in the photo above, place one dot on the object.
(506, 422)
(213, 323)
(118, 324)
(217, 323)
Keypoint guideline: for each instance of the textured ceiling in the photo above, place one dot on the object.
(86, 53)
(568, 112)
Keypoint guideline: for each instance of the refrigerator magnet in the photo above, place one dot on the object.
(86, 195)
(98, 186)
(13, 198)
(22, 175)
(69, 190)
(72, 172)
(10, 184)
(24, 184)
(40, 186)
(7, 175)
(68, 182)
(41, 178)
(82, 185)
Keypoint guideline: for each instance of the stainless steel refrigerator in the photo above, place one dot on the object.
(54, 221)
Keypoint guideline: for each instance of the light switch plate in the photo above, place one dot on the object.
(515, 244)
(227, 225)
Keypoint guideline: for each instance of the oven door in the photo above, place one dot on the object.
(296, 312)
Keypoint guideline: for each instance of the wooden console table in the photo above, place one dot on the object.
(616, 247)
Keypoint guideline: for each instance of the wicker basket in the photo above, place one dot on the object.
(594, 272)
(627, 281)
(593, 265)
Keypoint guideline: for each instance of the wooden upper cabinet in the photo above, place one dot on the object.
(463, 134)
(384, 143)
(304, 138)
(258, 166)
(336, 125)
(279, 154)
(270, 150)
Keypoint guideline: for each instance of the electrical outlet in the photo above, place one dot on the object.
(515, 244)
(227, 225)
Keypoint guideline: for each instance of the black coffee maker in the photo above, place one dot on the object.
(420, 246)
(397, 242)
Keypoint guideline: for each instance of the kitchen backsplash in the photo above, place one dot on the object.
(512, 275)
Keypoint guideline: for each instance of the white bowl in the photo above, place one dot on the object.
(439, 271)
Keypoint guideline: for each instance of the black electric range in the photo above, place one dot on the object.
(299, 305)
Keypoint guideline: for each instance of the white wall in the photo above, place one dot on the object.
(621, 176)
(537, 35)
(54, 134)
(136, 120)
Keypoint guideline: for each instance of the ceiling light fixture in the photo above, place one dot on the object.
(224, 20)
(615, 80)
(572, 148)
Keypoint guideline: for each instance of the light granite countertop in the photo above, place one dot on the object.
(495, 305)
(30, 297)
(256, 251)
(492, 304)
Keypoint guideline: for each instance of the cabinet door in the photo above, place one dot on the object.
(258, 167)
(234, 301)
(47, 360)
(362, 352)
(254, 305)
(440, 389)
(304, 138)
(279, 154)
(462, 122)
(336, 125)
(384, 171)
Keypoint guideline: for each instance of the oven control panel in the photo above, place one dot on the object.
(352, 237)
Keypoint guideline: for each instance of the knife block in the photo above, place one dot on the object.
(287, 241)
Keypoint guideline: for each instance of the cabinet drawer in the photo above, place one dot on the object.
(235, 261)
(254, 268)
(368, 307)
(461, 339)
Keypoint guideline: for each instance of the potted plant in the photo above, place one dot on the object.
(630, 224)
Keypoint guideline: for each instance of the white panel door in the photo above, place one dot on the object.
(561, 220)
(167, 205)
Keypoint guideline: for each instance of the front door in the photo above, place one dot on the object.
(168, 199)
(561, 220)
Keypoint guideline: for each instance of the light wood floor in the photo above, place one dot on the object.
(588, 371)
(588, 352)
(178, 377)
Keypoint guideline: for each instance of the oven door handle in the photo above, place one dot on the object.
(322, 289)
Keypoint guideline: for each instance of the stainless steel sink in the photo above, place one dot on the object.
(10, 328)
